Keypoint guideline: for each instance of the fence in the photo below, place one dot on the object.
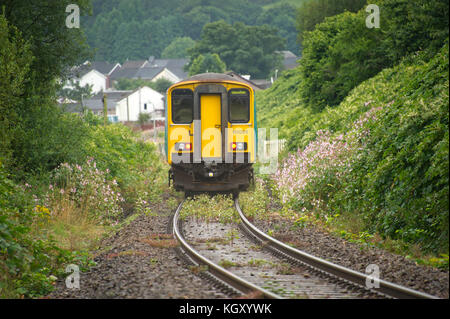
(268, 147)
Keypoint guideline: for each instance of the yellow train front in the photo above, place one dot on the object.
(210, 134)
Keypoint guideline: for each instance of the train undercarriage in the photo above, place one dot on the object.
(211, 177)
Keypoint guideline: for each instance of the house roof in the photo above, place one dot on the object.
(152, 67)
(262, 83)
(211, 77)
(148, 73)
(112, 97)
(289, 59)
(122, 72)
(100, 66)
(242, 79)
(287, 54)
(71, 107)
(136, 90)
(176, 66)
(134, 64)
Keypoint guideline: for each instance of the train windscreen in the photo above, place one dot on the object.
(239, 105)
(182, 106)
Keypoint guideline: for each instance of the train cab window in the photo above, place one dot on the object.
(182, 106)
(239, 105)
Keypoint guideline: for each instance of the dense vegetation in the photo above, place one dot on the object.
(136, 29)
(311, 13)
(65, 179)
(366, 113)
(243, 49)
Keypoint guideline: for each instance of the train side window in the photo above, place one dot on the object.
(239, 105)
(182, 106)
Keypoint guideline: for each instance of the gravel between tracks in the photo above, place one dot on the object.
(130, 265)
(393, 268)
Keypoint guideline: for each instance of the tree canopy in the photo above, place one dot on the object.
(207, 63)
(313, 12)
(36, 49)
(177, 49)
(244, 49)
(137, 29)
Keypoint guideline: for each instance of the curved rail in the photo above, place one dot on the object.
(221, 273)
(385, 287)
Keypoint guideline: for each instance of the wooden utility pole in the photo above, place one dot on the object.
(105, 110)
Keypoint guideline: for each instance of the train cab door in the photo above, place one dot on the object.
(211, 114)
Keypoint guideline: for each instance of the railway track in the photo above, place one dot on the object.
(313, 278)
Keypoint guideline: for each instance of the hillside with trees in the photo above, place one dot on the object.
(135, 29)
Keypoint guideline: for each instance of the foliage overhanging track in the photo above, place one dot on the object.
(229, 278)
(385, 287)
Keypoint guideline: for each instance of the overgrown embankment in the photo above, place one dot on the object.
(65, 179)
(369, 149)
(58, 217)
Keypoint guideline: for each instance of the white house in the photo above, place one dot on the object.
(142, 100)
(94, 78)
(168, 75)
(97, 74)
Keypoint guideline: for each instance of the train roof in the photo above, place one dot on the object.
(212, 77)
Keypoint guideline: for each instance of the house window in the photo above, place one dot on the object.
(182, 106)
(239, 105)
(145, 106)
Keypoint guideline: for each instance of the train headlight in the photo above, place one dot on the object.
(239, 146)
(183, 146)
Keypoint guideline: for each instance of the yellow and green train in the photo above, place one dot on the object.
(211, 134)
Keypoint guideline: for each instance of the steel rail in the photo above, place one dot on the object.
(385, 287)
(229, 278)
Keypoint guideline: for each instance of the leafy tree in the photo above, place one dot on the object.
(341, 52)
(77, 92)
(143, 118)
(54, 46)
(410, 26)
(283, 17)
(161, 85)
(207, 63)
(199, 16)
(15, 61)
(234, 10)
(244, 49)
(128, 44)
(102, 31)
(177, 49)
(313, 12)
(43, 137)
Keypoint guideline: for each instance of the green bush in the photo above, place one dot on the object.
(27, 261)
(135, 164)
(47, 138)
